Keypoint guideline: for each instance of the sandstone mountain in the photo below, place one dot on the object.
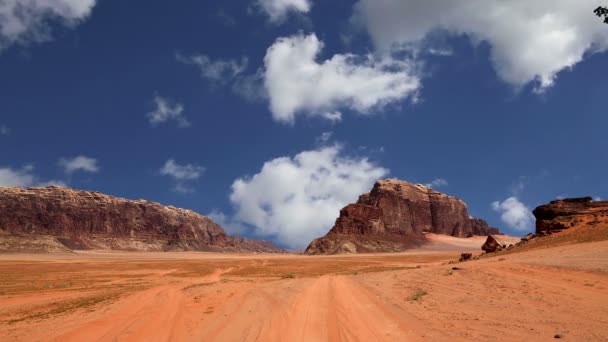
(58, 218)
(571, 212)
(394, 216)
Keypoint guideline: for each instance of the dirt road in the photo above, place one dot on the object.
(403, 297)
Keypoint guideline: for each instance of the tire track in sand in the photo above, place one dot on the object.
(328, 308)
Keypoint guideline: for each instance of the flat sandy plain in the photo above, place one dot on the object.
(413, 296)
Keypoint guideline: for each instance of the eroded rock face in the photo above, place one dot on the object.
(394, 215)
(91, 220)
(571, 212)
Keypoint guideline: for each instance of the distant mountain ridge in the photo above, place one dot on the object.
(68, 219)
(394, 216)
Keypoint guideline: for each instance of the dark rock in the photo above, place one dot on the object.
(466, 256)
(528, 237)
(492, 245)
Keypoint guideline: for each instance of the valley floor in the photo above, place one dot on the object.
(414, 296)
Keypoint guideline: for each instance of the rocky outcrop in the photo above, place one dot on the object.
(394, 216)
(571, 212)
(91, 220)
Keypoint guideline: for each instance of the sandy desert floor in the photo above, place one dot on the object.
(414, 296)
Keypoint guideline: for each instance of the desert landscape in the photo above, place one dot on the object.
(303, 170)
(535, 295)
(405, 263)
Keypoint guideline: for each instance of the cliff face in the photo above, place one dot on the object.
(91, 220)
(393, 216)
(571, 212)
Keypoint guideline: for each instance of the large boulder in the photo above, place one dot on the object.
(493, 244)
(394, 216)
(91, 220)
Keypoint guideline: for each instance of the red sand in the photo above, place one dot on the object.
(528, 296)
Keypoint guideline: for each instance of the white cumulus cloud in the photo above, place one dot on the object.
(514, 214)
(530, 41)
(28, 21)
(277, 10)
(79, 163)
(297, 83)
(296, 199)
(167, 110)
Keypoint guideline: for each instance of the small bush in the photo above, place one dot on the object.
(418, 294)
(288, 276)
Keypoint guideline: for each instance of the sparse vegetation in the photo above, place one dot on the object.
(192, 286)
(288, 276)
(417, 295)
(450, 272)
(66, 307)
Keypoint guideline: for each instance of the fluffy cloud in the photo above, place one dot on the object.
(181, 174)
(295, 200)
(297, 83)
(277, 10)
(530, 41)
(165, 111)
(23, 177)
(437, 182)
(25, 21)
(514, 214)
(79, 163)
(215, 70)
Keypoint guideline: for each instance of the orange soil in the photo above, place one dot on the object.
(105, 296)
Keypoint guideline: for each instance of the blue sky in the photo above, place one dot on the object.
(271, 115)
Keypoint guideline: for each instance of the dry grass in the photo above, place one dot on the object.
(417, 295)
(193, 286)
(65, 307)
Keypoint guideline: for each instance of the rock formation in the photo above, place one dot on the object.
(493, 244)
(394, 216)
(72, 219)
(571, 212)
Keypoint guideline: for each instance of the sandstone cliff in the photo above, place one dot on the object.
(394, 216)
(571, 212)
(53, 218)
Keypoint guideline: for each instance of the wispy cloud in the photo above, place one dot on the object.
(166, 110)
(219, 70)
(25, 22)
(24, 177)
(437, 183)
(79, 163)
(182, 175)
